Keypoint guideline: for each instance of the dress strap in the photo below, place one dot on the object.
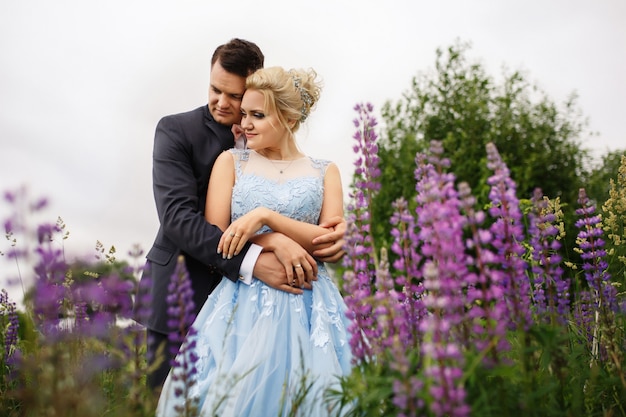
(321, 164)
(240, 157)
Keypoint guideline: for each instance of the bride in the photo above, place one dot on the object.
(258, 351)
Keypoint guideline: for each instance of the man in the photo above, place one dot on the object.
(185, 148)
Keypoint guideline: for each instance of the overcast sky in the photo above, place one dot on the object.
(83, 83)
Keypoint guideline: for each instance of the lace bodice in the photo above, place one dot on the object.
(292, 188)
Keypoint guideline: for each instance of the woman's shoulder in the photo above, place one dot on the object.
(319, 162)
(240, 154)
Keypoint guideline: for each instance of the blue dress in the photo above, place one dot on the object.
(260, 351)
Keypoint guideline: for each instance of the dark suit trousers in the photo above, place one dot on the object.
(160, 358)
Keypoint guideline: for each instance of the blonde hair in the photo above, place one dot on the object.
(291, 94)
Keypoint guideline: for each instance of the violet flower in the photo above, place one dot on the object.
(360, 260)
(181, 316)
(550, 289)
(10, 326)
(441, 227)
(591, 247)
(602, 333)
(407, 274)
(508, 234)
(487, 309)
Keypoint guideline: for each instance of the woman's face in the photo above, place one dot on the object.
(263, 130)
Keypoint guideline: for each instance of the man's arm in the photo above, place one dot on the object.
(176, 195)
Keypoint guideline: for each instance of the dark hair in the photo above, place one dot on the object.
(239, 57)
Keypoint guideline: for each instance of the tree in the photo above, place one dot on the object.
(465, 108)
(602, 173)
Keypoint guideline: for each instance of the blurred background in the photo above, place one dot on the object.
(84, 83)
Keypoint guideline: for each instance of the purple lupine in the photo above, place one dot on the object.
(550, 289)
(143, 300)
(584, 314)
(390, 331)
(408, 275)
(48, 303)
(360, 261)
(51, 266)
(592, 250)
(109, 298)
(602, 293)
(507, 231)
(441, 228)
(404, 398)
(181, 316)
(487, 308)
(8, 309)
(442, 357)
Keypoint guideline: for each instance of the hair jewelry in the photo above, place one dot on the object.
(304, 95)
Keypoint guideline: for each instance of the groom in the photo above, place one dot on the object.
(185, 148)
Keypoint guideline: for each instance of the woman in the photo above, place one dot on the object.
(261, 351)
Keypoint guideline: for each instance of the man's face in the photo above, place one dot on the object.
(225, 93)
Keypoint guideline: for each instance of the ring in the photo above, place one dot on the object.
(293, 282)
(237, 235)
(297, 266)
(232, 234)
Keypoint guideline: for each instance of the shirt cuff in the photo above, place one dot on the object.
(247, 266)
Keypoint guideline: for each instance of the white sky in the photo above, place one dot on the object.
(83, 83)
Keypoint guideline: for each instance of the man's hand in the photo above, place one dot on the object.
(335, 252)
(272, 272)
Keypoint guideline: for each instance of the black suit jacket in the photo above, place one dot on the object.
(185, 148)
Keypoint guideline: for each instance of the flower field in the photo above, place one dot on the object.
(471, 311)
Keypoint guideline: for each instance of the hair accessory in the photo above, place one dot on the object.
(304, 95)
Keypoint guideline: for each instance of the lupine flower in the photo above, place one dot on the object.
(487, 308)
(181, 316)
(602, 292)
(360, 258)
(10, 325)
(584, 313)
(440, 226)
(405, 397)
(550, 291)
(408, 275)
(143, 299)
(508, 234)
(443, 359)
(591, 248)
(614, 213)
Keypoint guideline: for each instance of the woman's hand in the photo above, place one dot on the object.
(240, 231)
(334, 252)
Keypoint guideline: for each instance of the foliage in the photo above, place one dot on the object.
(462, 106)
(603, 172)
(478, 313)
(78, 351)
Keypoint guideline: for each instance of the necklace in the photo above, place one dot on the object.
(283, 169)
